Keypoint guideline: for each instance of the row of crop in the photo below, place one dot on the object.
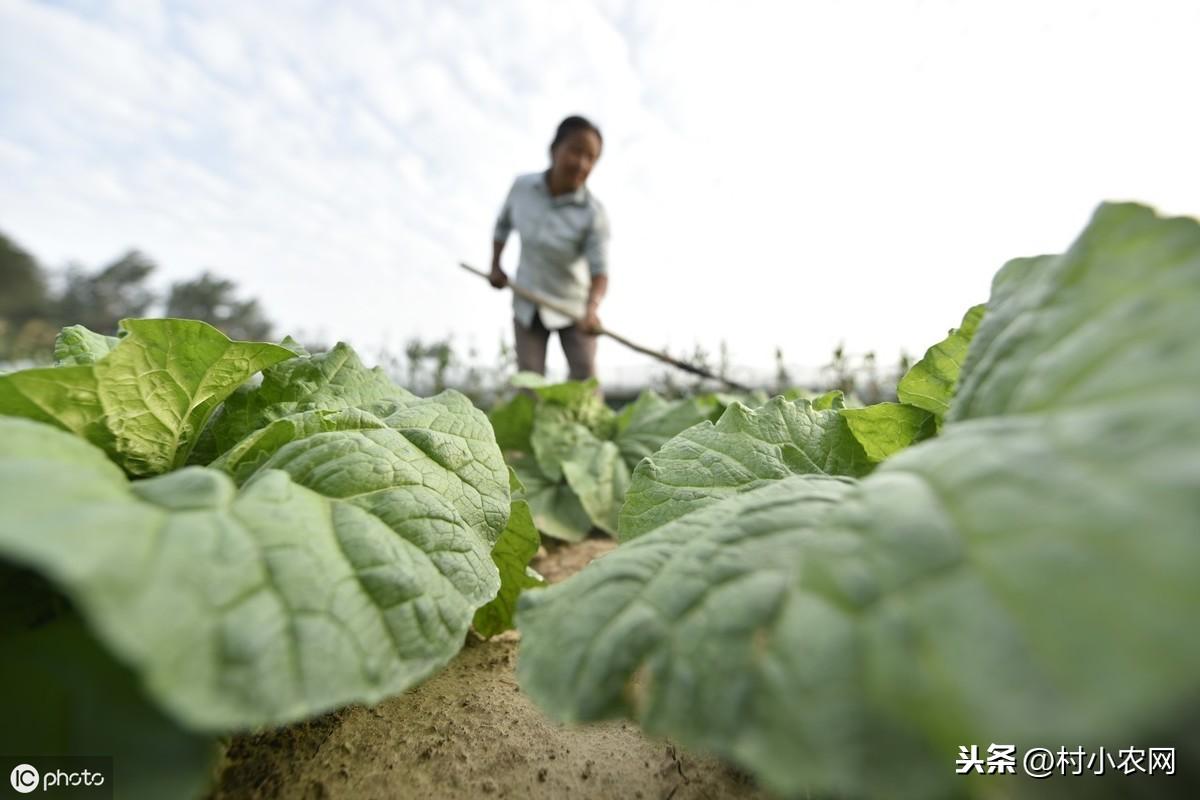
(576, 457)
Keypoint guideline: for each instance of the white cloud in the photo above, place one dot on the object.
(220, 48)
(14, 156)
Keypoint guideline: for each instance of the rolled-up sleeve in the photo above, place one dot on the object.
(595, 244)
(504, 223)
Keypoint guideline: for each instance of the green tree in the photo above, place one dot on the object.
(100, 300)
(24, 305)
(214, 300)
(24, 294)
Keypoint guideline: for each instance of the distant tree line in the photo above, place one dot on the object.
(36, 302)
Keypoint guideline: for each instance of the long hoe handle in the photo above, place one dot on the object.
(537, 299)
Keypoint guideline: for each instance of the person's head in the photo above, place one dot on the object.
(574, 151)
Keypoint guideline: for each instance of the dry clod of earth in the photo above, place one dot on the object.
(470, 732)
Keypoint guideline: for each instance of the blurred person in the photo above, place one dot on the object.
(564, 251)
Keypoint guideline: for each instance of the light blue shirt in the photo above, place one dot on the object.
(564, 242)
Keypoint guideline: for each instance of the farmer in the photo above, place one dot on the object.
(564, 251)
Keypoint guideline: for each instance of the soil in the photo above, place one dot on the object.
(469, 732)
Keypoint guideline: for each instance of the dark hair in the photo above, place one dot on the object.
(572, 124)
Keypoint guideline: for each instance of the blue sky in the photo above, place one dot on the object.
(777, 174)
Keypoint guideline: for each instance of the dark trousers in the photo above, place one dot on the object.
(578, 347)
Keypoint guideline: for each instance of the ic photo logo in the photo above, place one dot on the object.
(24, 778)
(63, 776)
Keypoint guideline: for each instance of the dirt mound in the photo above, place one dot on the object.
(469, 732)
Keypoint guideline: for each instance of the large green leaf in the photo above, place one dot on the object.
(1028, 577)
(66, 397)
(600, 478)
(329, 381)
(556, 437)
(576, 477)
(598, 470)
(269, 604)
(930, 384)
(925, 392)
(745, 449)
(513, 423)
(250, 454)
(885, 429)
(517, 545)
(650, 421)
(579, 401)
(824, 401)
(556, 509)
(65, 696)
(436, 455)
(1059, 340)
(164, 379)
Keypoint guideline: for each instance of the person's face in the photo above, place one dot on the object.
(574, 158)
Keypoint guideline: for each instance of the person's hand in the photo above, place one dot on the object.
(498, 278)
(590, 322)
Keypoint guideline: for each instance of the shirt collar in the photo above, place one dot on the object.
(578, 197)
